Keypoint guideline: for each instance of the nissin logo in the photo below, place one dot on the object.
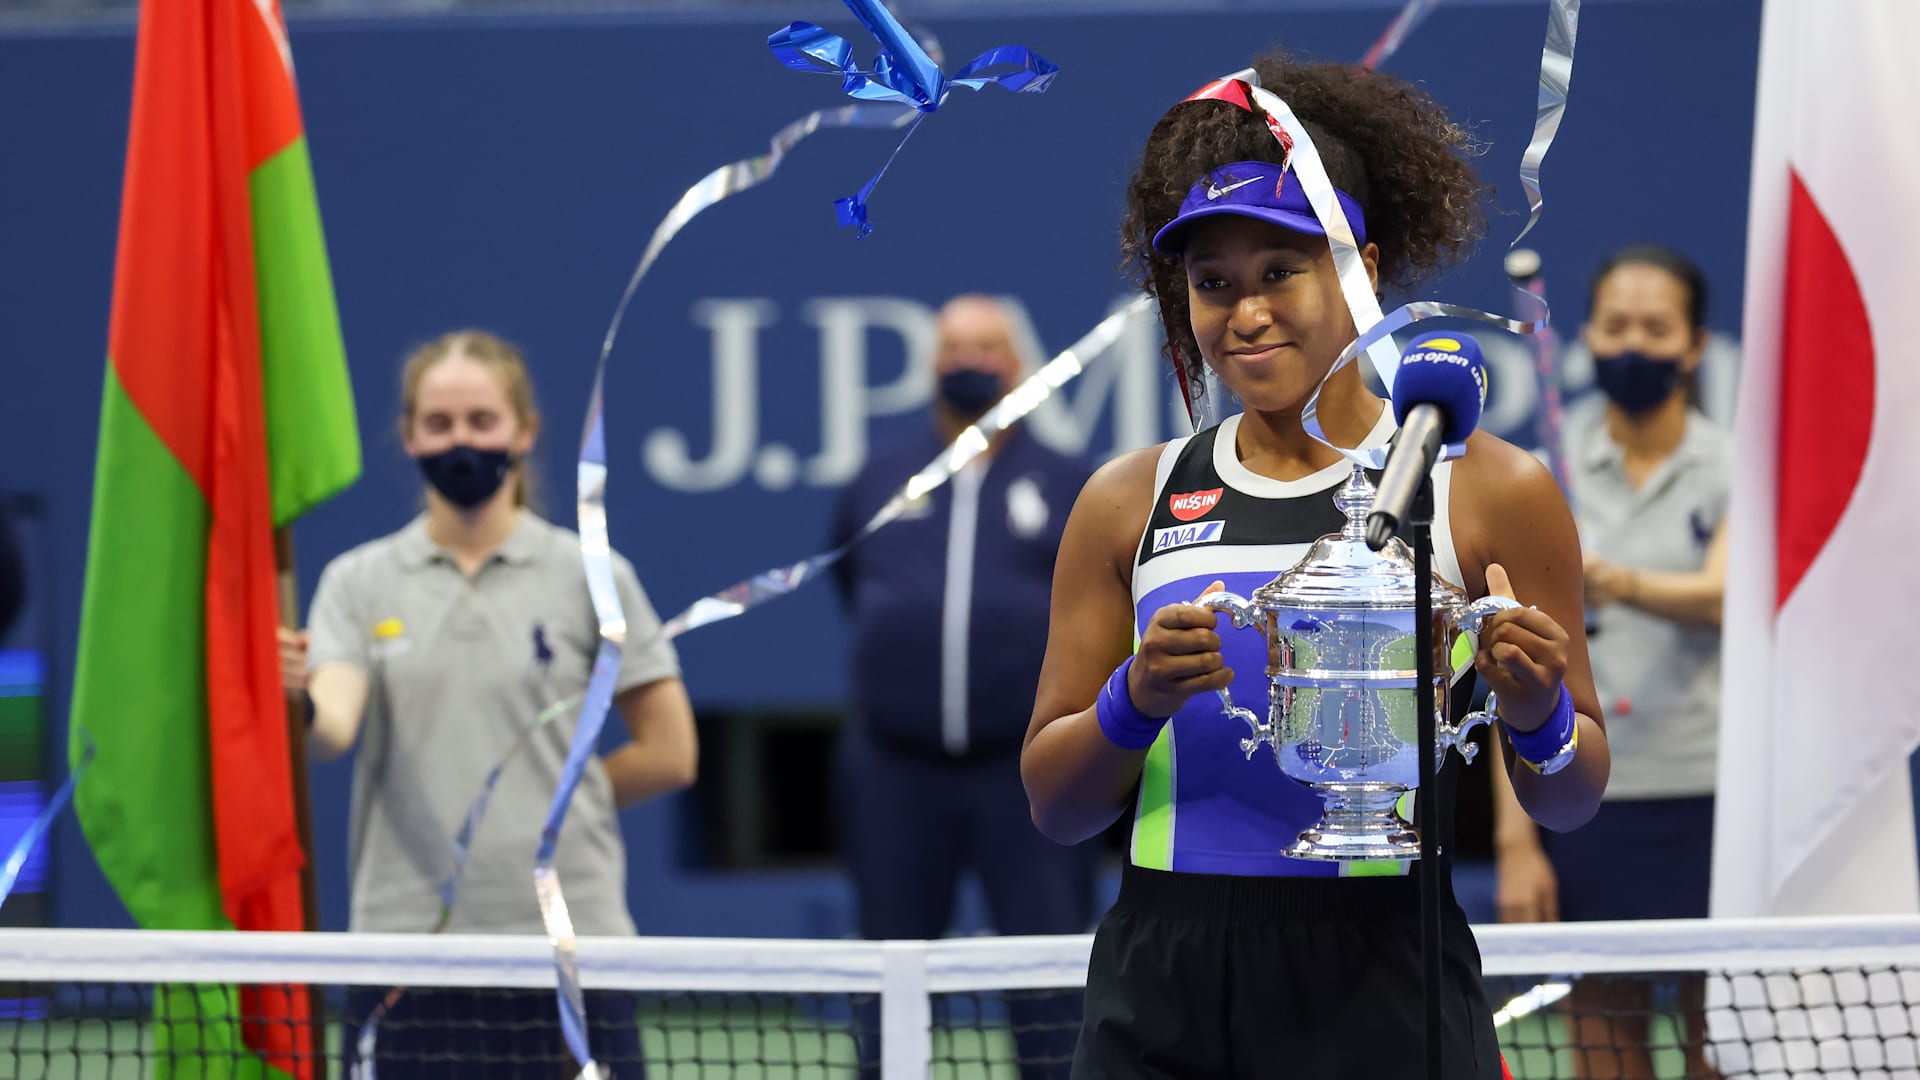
(1194, 504)
(1205, 532)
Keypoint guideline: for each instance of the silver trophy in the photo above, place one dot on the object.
(1343, 684)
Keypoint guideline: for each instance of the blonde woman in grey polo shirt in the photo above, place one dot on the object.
(433, 648)
(1649, 479)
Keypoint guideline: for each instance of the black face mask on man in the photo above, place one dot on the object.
(466, 476)
(1635, 381)
(969, 391)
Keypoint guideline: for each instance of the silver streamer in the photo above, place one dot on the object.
(743, 596)
(1556, 72)
(597, 551)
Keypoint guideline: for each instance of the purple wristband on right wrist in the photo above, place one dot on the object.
(1124, 725)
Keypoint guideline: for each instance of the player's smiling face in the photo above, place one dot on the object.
(1266, 308)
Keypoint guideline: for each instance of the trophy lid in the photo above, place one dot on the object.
(1341, 571)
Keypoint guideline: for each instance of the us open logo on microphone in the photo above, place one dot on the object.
(1203, 532)
(1439, 351)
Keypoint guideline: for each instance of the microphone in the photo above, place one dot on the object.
(1437, 396)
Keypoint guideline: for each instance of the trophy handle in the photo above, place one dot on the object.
(1263, 731)
(1457, 737)
(1470, 619)
(1245, 615)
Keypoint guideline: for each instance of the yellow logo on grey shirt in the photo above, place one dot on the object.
(389, 638)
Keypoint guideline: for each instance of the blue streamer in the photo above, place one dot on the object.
(909, 65)
(904, 73)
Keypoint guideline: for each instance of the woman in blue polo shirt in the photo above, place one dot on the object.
(1649, 478)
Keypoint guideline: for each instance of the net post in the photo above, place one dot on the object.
(906, 1011)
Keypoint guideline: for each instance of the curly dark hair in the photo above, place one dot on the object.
(1383, 141)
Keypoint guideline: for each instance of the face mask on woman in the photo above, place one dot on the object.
(466, 476)
(1635, 381)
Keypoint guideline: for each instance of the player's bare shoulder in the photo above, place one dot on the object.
(1493, 463)
(1112, 510)
(1502, 493)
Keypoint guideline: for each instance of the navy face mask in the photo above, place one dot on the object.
(969, 391)
(1635, 381)
(466, 476)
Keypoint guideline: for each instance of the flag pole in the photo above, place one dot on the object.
(302, 797)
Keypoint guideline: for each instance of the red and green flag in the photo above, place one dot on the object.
(227, 412)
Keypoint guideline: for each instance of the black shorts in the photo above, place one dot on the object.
(1202, 975)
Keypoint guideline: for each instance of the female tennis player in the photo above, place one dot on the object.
(1224, 957)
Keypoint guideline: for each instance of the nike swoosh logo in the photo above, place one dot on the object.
(1215, 192)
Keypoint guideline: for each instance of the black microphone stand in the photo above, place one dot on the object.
(1426, 812)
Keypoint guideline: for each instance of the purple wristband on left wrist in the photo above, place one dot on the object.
(1543, 742)
(1121, 721)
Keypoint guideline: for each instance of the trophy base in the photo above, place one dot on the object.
(1360, 823)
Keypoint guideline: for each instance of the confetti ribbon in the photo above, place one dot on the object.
(1556, 75)
(1405, 23)
(597, 552)
(903, 73)
(1523, 265)
(739, 598)
(727, 180)
(23, 847)
(1524, 268)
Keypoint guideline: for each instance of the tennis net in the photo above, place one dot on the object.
(1773, 999)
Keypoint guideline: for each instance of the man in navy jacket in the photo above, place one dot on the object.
(949, 610)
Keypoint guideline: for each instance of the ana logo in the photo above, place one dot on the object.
(1205, 532)
(1194, 504)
